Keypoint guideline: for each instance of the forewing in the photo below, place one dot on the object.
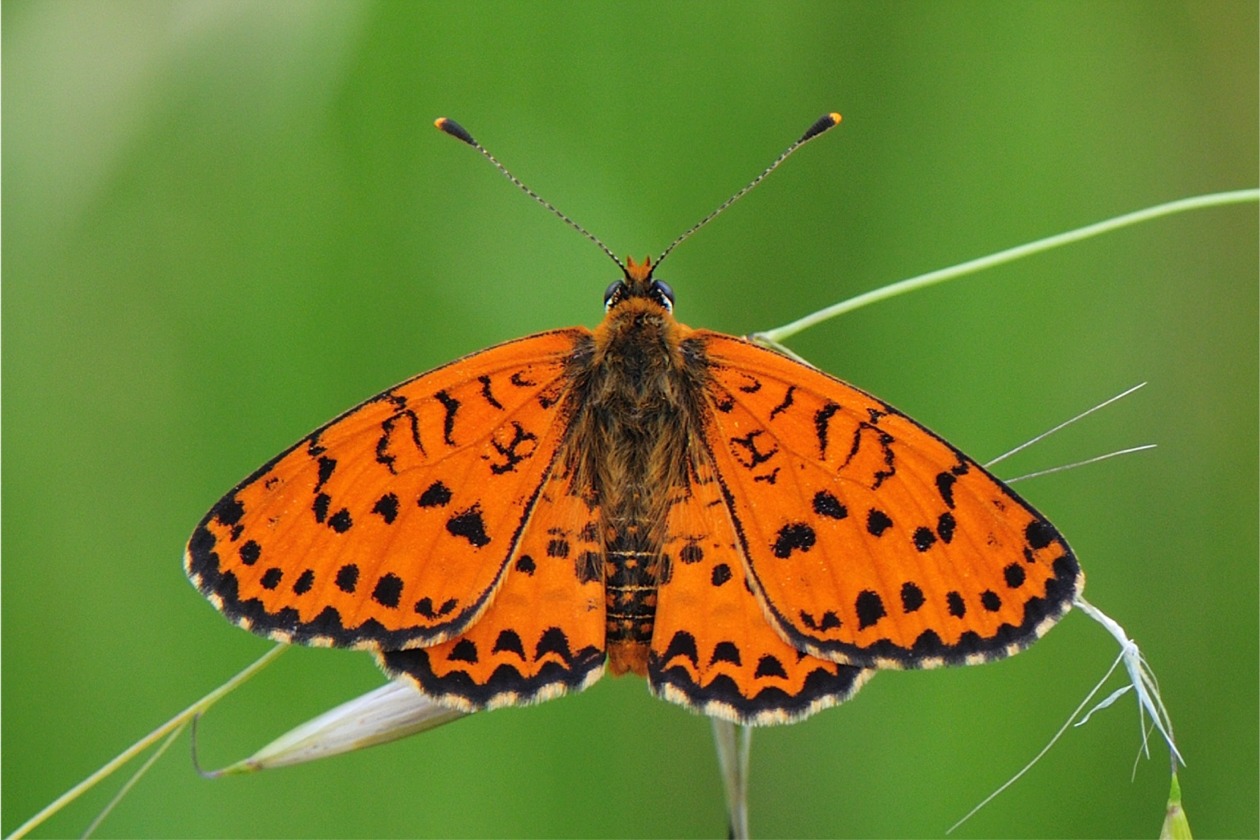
(713, 648)
(871, 540)
(392, 525)
(542, 635)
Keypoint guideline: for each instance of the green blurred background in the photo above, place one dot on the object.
(226, 222)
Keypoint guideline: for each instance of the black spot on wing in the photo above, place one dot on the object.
(725, 652)
(682, 644)
(347, 578)
(1040, 534)
(436, 494)
(513, 451)
(465, 650)
(945, 487)
(228, 511)
(388, 590)
(794, 536)
(870, 608)
(825, 504)
(1014, 575)
(509, 641)
(885, 442)
(786, 403)
(250, 552)
(877, 522)
(450, 405)
(721, 574)
(769, 666)
(386, 508)
(424, 607)
(554, 640)
(341, 521)
(320, 507)
(304, 583)
(390, 427)
(326, 468)
(911, 597)
(829, 621)
(747, 450)
(822, 421)
(469, 525)
(722, 399)
(487, 394)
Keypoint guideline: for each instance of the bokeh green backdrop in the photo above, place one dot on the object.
(226, 222)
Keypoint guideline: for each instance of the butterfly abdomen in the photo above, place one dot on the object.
(631, 577)
(634, 421)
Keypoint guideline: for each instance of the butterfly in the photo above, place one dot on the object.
(752, 535)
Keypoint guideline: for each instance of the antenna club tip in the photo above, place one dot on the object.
(449, 126)
(823, 123)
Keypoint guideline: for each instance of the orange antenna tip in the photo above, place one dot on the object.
(825, 122)
(454, 129)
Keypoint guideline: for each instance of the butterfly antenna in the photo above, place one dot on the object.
(822, 124)
(460, 133)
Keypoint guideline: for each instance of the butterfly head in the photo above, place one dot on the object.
(638, 283)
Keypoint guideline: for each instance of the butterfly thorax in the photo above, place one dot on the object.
(636, 410)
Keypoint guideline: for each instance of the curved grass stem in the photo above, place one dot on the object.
(780, 334)
(180, 720)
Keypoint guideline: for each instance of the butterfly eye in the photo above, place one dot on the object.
(663, 294)
(613, 294)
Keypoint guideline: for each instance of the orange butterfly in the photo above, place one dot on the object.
(749, 533)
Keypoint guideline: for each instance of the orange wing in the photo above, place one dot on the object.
(543, 634)
(392, 526)
(870, 540)
(712, 649)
